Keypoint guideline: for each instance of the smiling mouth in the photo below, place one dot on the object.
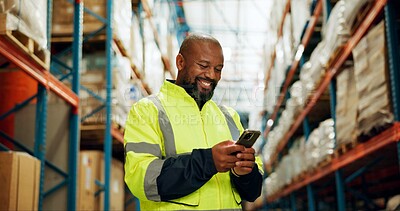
(205, 84)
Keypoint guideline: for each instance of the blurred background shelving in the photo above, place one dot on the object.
(320, 78)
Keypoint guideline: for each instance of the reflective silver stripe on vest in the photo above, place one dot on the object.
(150, 180)
(231, 123)
(166, 128)
(143, 147)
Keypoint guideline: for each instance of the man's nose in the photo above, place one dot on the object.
(210, 73)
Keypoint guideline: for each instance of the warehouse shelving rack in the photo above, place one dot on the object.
(47, 82)
(362, 152)
(112, 44)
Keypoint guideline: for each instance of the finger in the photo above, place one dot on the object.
(246, 156)
(249, 150)
(245, 164)
(235, 148)
(243, 170)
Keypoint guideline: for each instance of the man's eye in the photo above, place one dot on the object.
(218, 70)
(203, 66)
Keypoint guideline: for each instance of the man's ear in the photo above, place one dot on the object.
(180, 62)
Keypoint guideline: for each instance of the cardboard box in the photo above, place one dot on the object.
(89, 171)
(63, 21)
(117, 187)
(20, 179)
(91, 168)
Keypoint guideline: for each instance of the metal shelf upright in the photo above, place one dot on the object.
(108, 138)
(393, 52)
(75, 120)
(109, 131)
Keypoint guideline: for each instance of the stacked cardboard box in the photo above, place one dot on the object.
(91, 168)
(20, 179)
(63, 16)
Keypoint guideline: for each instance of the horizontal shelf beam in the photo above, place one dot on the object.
(43, 76)
(330, 73)
(387, 137)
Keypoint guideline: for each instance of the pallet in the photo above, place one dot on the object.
(326, 161)
(344, 147)
(28, 46)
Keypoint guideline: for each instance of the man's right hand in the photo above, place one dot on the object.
(223, 155)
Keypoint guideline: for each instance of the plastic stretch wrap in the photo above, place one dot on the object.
(136, 47)
(28, 17)
(313, 70)
(320, 143)
(339, 26)
(300, 10)
(372, 82)
(346, 107)
(291, 165)
(298, 97)
(122, 20)
(277, 14)
(287, 40)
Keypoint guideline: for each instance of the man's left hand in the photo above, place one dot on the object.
(246, 163)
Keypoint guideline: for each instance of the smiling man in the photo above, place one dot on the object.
(180, 153)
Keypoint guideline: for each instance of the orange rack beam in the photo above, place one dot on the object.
(330, 73)
(117, 135)
(37, 72)
(295, 63)
(389, 136)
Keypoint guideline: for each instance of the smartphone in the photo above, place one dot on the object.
(248, 138)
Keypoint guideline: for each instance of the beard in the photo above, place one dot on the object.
(200, 97)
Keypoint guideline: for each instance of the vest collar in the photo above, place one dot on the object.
(177, 93)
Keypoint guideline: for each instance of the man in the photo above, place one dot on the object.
(179, 149)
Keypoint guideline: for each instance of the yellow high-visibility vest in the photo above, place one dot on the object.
(174, 127)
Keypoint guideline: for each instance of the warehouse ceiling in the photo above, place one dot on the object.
(242, 27)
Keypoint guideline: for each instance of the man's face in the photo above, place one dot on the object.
(202, 69)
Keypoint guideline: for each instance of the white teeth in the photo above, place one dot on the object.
(206, 83)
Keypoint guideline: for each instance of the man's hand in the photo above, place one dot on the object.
(246, 162)
(223, 156)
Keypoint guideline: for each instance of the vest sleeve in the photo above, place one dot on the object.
(143, 151)
(185, 174)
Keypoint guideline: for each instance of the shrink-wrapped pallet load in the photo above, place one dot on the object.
(346, 107)
(372, 82)
(28, 17)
